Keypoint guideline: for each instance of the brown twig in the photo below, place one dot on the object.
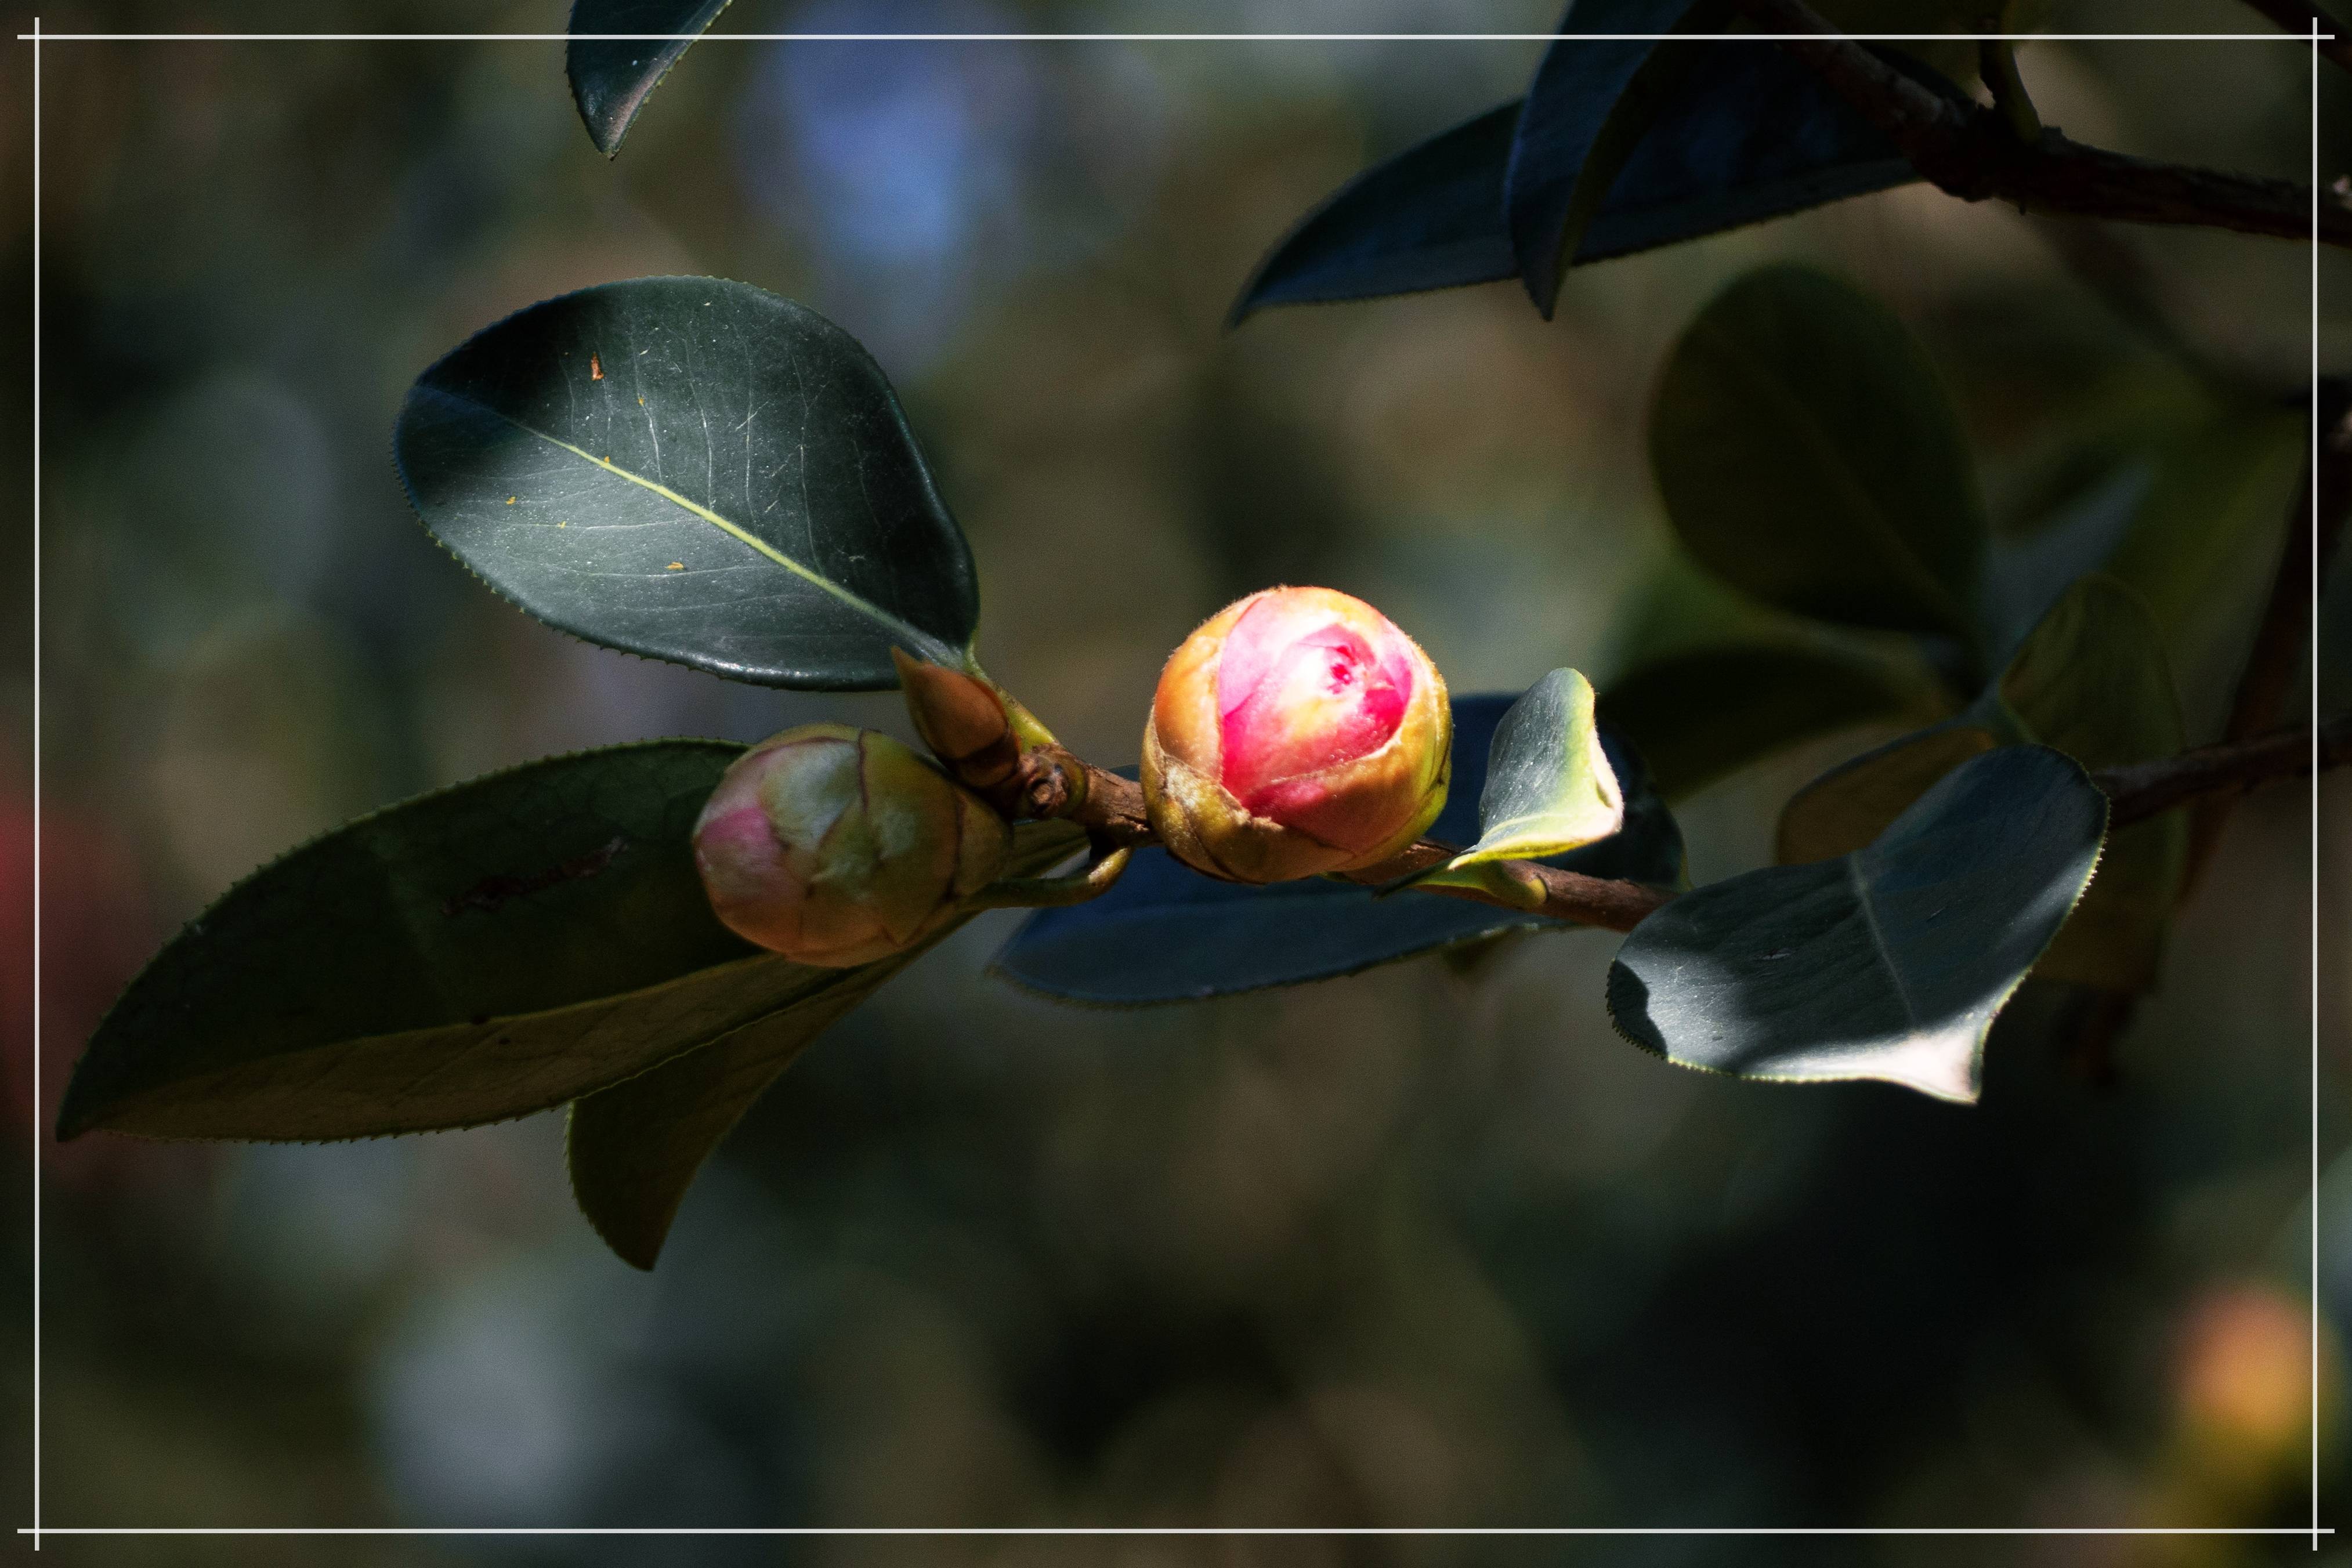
(2142, 790)
(2301, 17)
(1053, 783)
(1972, 152)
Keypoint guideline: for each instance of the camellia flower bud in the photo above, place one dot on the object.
(1296, 732)
(838, 846)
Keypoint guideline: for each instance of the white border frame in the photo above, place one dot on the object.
(36, 1529)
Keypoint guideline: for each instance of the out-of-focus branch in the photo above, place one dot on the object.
(1973, 152)
(2313, 531)
(2300, 18)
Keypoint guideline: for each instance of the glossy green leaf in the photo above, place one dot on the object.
(1549, 788)
(633, 1148)
(695, 470)
(483, 951)
(1808, 455)
(2092, 681)
(1167, 933)
(612, 77)
(1888, 963)
(1701, 714)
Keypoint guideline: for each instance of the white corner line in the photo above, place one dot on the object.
(2314, 640)
(36, 1529)
(1211, 1531)
(39, 1148)
(2253, 38)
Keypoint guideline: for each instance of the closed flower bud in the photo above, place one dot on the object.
(1296, 732)
(838, 846)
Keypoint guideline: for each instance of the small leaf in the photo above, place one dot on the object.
(633, 1148)
(704, 423)
(474, 954)
(1809, 455)
(1701, 714)
(2092, 681)
(612, 77)
(1888, 963)
(1166, 933)
(1549, 788)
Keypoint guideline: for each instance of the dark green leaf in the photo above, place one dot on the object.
(1699, 716)
(475, 953)
(695, 470)
(1166, 933)
(1749, 134)
(1592, 101)
(2215, 491)
(633, 1148)
(1888, 963)
(612, 77)
(1430, 217)
(1809, 455)
(2026, 575)
(2091, 680)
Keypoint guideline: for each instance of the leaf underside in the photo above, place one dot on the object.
(1590, 103)
(1889, 962)
(633, 1149)
(612, 77)
(1166, 933)
(694, 470)
(1749, 134)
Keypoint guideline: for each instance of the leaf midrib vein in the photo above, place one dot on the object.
(1859, 881)
(923, 641)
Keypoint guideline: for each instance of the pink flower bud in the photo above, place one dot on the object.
(1296, 732)
(838, 846)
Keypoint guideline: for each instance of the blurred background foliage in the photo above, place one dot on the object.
(1426, 1247)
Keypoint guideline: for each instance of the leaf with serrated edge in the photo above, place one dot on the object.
(2091, 680)
(477, 953)
(633, 1149)
(1889, 962)
(695, 470)
(612, 77)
